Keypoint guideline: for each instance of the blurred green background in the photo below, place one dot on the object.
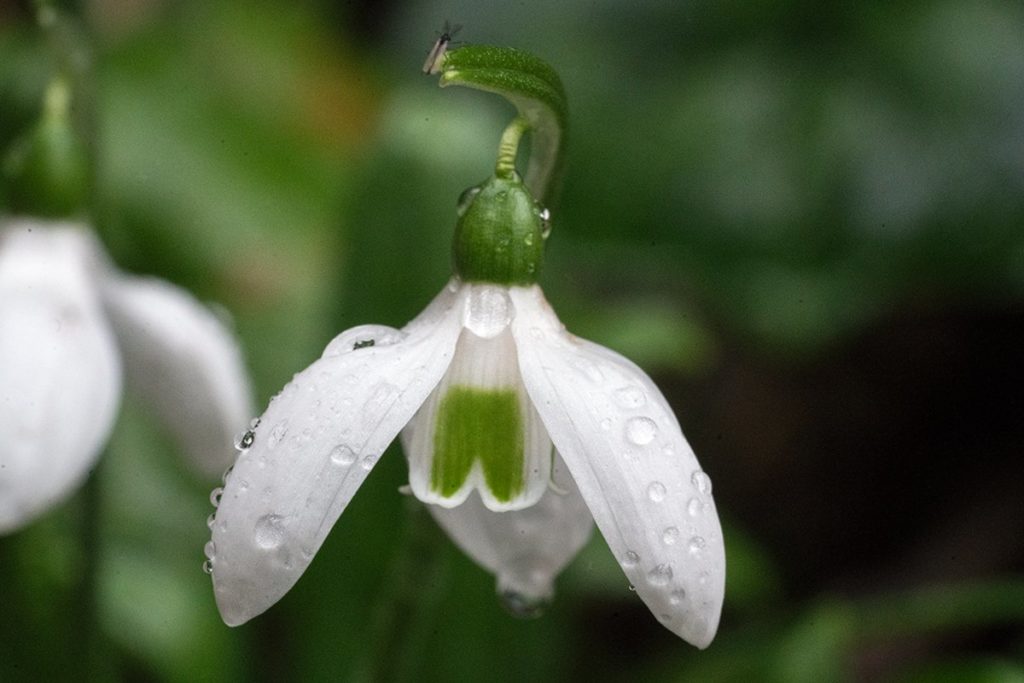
(805, 220)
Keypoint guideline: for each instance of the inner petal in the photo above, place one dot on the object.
(480, 430)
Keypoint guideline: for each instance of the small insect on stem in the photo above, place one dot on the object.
(436, 54)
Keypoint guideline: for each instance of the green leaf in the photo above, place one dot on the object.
(536, 91)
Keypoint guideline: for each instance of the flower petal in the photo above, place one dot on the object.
(479, 430)
(623, 446)
(60, 378)
(185, 364)
(526, 549)
(312, 449)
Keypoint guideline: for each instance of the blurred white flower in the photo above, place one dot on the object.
(518, 434)
(69, 323)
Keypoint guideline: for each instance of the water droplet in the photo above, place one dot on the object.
(632, 588)
(677, 596)
(670, 535)
(528, 239)
(660, 575)
(276, 434)
(488, 311)
(522, 606)
(368, 462)
(665, 618)
(545, 223)
(589, 369)
(641, 430)
(702, 482)
(210, 550)
(630, 397)
(465, 199)
(694, 507)
(244, 441)
(361, 337)
(656, 492)
(697, 544)
(630, 559)
(269, 531)
(215, 496)
(342, 455)
(211, 519)
(207, 567)
(227, 474)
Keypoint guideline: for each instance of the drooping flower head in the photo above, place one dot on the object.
(73, 327)
(518, 434)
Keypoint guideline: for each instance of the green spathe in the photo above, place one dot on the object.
(484, 425)
(499, 236)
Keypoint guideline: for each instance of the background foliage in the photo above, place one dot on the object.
(806, 220)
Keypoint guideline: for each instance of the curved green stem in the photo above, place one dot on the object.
(536, 91)
(508, 148)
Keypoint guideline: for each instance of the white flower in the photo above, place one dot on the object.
(518, 435)
(68, 321)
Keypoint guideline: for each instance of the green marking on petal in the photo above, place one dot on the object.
(479, 424)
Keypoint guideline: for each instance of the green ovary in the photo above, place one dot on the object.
(482, 425)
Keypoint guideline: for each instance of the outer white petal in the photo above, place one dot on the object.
(181, 360)
(60, 379)
(314, 446)
(525, 549)
(623, 446)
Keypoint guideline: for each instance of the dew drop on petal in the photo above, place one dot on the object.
(269, 531)
(641, 430)
(701, 482)
(697, 544)
(362, 337)
(488, 311)
(245, 440)
(276, 434)
(694, 507)
(630, 397)
(210, 550)
(670, 535)
(588, 369)
(630, 559)
(677, 596)
(660, 575)
(368, 462)
(215, 496)
(522, 606)
(656, 492)
(211, 519)
(207, 567)
(342, 455)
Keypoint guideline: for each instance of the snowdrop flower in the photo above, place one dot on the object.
(69, 324)
(518, 435)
